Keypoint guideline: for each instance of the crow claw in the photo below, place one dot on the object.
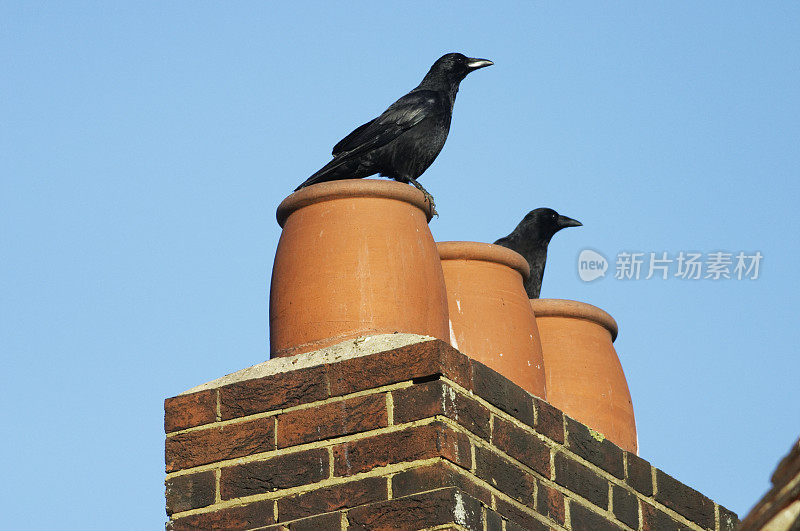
(428, 197)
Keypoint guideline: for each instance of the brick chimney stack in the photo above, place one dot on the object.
(403, 432)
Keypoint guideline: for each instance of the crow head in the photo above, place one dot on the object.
(541, 224)
(454, 67)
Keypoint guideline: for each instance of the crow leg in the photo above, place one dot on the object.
(428, 197)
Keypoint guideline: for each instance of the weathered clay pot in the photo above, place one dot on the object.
(355, 258)
(584, 375)
(490, 316)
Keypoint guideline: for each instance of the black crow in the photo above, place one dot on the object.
(403, 141)
(530, 239)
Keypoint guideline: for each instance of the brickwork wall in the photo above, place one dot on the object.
(413, 438)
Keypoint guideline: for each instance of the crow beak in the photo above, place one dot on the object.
(474, 63)
(564, 222)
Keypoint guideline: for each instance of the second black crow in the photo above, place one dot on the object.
(404, 141)
(530, 239)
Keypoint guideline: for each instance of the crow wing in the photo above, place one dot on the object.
(402, 115)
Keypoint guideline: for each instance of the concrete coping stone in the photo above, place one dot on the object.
(352, 348)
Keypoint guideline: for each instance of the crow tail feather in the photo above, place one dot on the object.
(326, 173)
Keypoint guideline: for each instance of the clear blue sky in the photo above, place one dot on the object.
(144, 148)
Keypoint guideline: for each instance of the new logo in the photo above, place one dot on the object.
(591, 265)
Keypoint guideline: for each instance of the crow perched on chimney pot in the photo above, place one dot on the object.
(403, 141)
(530, 239)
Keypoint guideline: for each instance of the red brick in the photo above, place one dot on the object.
(602, 453)
(433, 508)
(248, 516)
(684, 500)
(549, 421)
(333, 498)
(517, 519)
(581, 480)
(280, 472)
(494, 522)
(195, 448)
(640, 475)
(522, 446)
(505, 476)
(626, 506)
(278, 391)
(550, 503)
(502, 393)
(419, 360)
(584, 519)
(188, 411)
(327, 522)
(436, 476)
(190, 491)
(437, 398)
(336, 419)
(728, 521)
(411, 444)
(656, 520)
